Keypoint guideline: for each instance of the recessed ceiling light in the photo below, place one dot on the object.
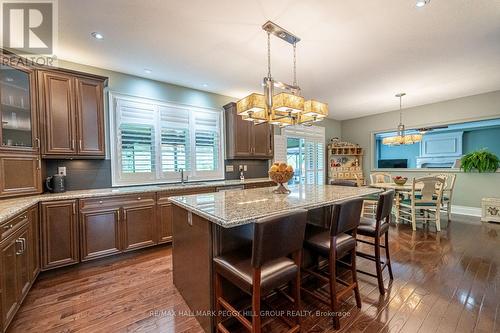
(97, 35)
(421, 3)
(147, 71)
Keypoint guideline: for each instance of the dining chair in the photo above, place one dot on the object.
(425, 196)
(449, 185)
(376, 228)
(334, 244)
(273, 260)
(380, 177)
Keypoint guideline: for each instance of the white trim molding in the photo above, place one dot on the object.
(466, 210)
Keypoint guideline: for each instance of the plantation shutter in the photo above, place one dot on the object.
(175, 141)
(207, 146)
(136, 140)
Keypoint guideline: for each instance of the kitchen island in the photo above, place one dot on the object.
(206, 225)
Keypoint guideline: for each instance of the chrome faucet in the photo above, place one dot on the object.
(182, 176)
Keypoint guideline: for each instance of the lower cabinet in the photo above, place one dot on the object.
(100, 233)
(59, 231)
(17, 260)
(165, 220)
(117, 224)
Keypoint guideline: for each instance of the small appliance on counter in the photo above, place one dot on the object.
(56, 183)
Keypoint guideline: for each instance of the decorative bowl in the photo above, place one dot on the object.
(400, 180)
(281, 177)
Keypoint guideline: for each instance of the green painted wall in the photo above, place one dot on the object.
(146, 88)
(470, 188)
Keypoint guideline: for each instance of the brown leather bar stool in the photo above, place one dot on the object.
(335, 244)
(376, 228)
(265, 269)
(344, 182)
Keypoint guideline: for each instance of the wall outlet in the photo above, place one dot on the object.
(229, 168)
(245, 168)
(61, 171)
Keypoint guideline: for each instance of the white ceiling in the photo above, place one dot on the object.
(354, 54)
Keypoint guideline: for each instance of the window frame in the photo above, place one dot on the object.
(158, 176)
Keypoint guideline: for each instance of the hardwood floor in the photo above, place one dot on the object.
(447, 282)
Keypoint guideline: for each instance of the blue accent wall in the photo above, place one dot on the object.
(409, 152)
(482, 138)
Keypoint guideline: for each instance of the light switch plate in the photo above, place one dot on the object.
(245, 167)
(229, 168)
(61, 171)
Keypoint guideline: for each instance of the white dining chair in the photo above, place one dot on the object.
(426, 197)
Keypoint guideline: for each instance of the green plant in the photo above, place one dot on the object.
(481, 160)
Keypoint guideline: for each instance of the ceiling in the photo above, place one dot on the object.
(354, 55)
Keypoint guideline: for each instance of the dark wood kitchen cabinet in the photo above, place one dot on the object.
(59, 234)
(244, 140)
(18, 107)
(165, 220)
(139, 222)
(20, 174)
(100, 233)
(71, 114)
(17, 256)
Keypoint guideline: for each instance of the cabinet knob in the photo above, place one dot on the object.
(7, 227)
(139, 198)
(100, 202)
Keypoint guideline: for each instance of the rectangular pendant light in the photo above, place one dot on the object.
(316, 109)
(252, 103)
(285, 103)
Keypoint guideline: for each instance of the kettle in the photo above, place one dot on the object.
(56, 183)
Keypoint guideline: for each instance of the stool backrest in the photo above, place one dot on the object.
(344, 182)
(277, 236)
(384, 207)
(345, 216)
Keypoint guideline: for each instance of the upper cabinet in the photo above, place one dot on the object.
(71, 114)
(18, 108)
(244, 139)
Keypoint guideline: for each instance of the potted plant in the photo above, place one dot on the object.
(481, 160)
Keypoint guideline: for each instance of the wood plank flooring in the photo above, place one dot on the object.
(447, 282)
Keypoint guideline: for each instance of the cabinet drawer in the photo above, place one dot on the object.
(117, 201)
(6, 228)
(163, 195)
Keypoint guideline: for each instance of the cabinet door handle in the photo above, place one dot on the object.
(124, 215)
(73, 144)
(74, 208)
(39, 166)
(139, 198)
(80, 144)
(19, 241)
(119, 215)
(37, 143)
(23, 243)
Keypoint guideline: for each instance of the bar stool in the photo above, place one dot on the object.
(266, 268)
(335, 244)
(376, 228)
(344, 182)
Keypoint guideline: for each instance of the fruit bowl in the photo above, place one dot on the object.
(400, 180)
(281, 173)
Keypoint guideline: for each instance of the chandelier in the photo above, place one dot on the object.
(284, 108)
(401, 138)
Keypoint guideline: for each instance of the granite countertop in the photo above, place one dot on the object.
(11, 207)
(229, 209)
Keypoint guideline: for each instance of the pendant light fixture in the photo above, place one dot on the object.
(284, 108)
(401, 138)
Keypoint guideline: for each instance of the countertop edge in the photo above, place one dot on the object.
(237, 222)
(25, 202)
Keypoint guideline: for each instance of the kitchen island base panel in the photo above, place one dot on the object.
(195, 242)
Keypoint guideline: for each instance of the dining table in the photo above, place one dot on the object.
(401, 191)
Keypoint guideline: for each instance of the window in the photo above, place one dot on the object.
(156, 140)
(305, 151)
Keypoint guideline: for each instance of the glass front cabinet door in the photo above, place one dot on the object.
(17, 107)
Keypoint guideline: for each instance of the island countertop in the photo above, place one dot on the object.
(233, 208)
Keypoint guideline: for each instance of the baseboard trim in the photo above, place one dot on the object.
(465, 210)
